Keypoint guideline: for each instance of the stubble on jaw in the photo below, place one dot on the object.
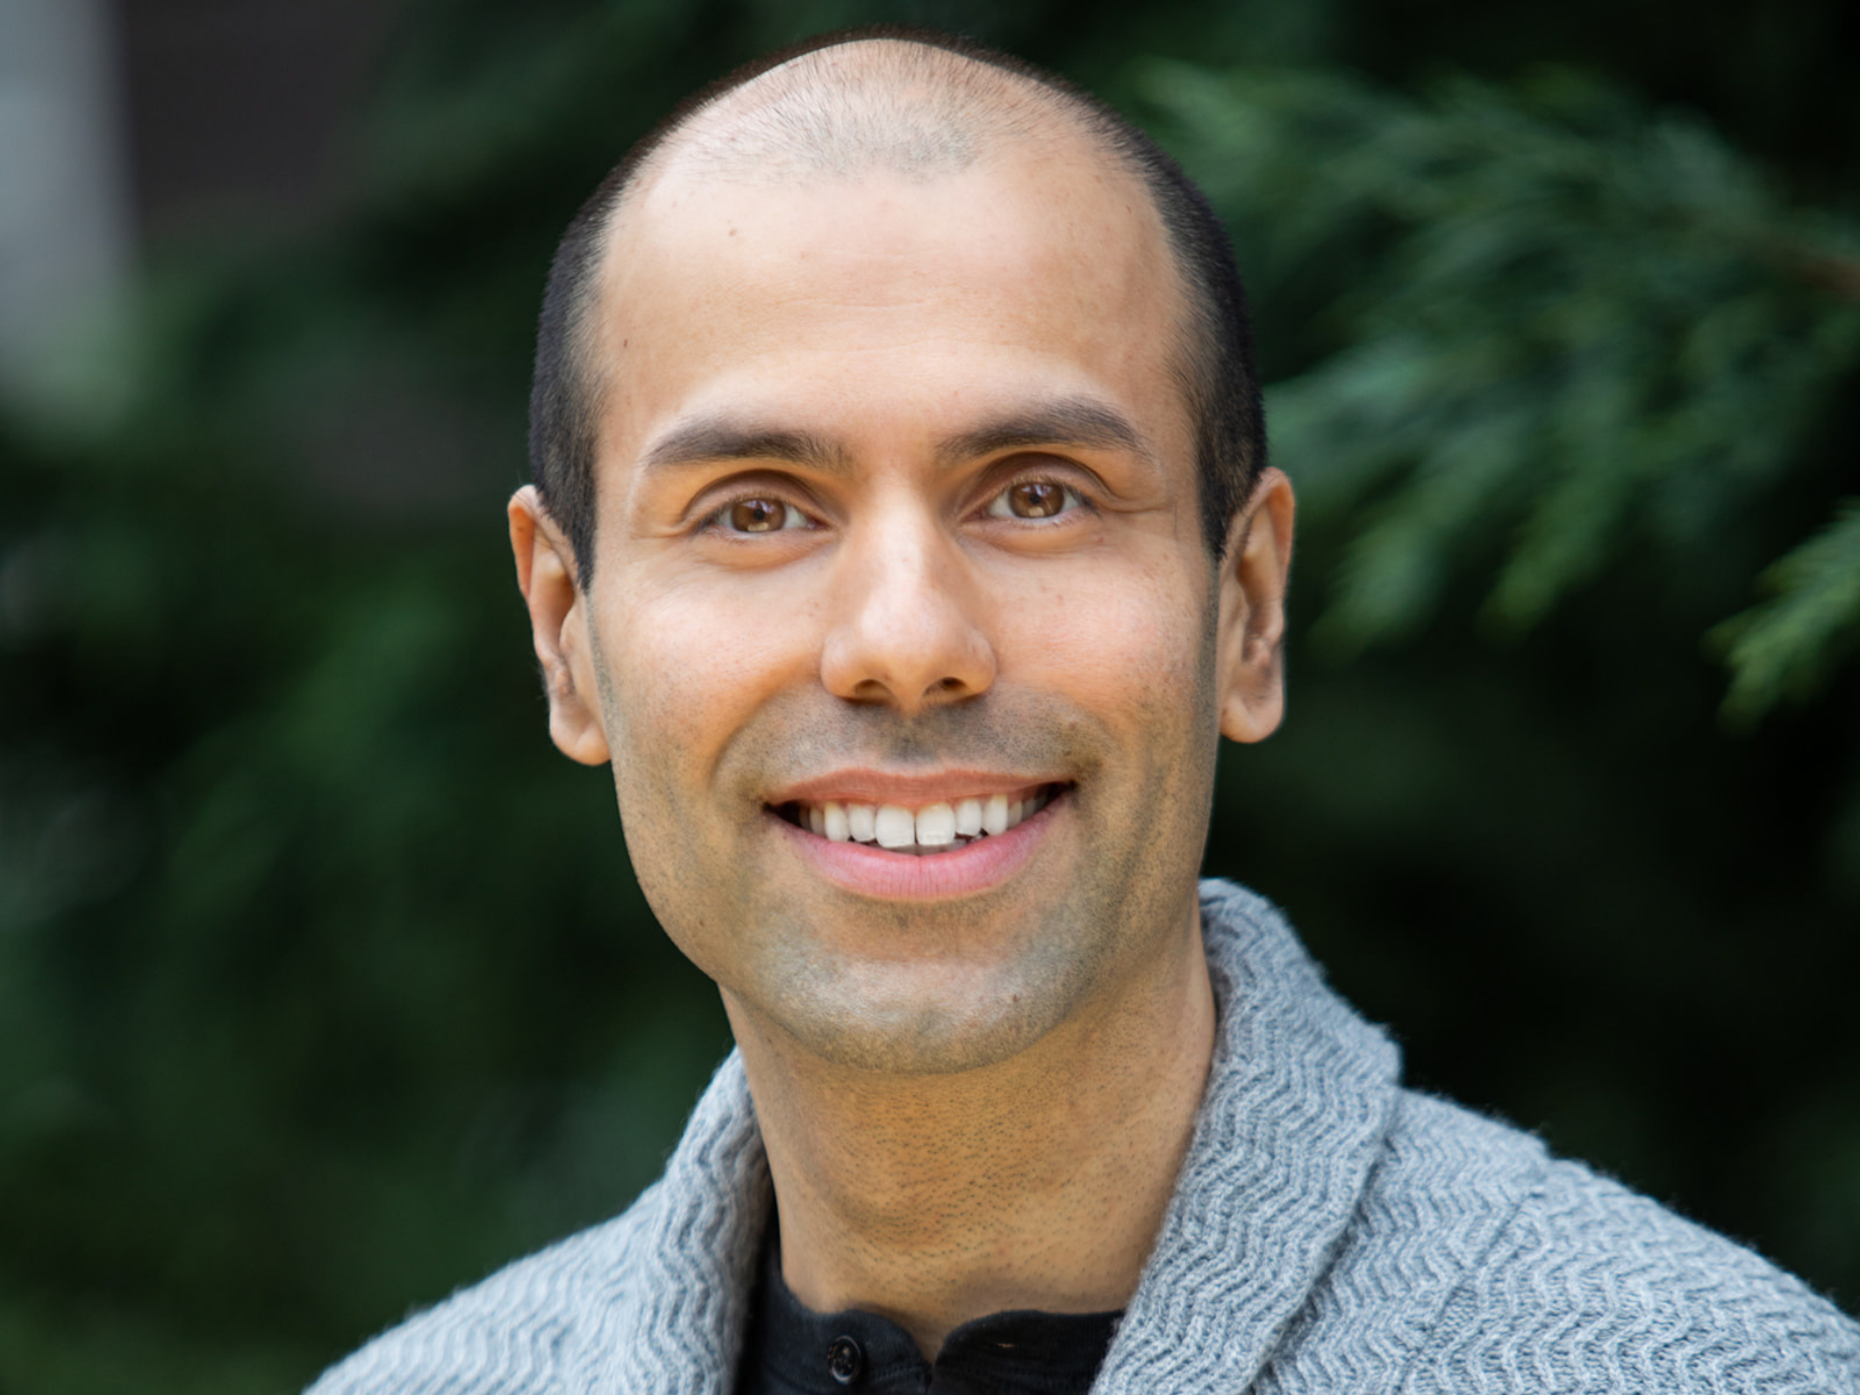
(936, 987)
(913, 989)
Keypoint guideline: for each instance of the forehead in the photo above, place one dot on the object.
(878, 301)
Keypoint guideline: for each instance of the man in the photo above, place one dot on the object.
(902, 539)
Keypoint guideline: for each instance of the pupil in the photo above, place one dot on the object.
(756, 516)
(1036, 499)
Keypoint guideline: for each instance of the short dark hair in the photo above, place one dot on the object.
(1215, 368)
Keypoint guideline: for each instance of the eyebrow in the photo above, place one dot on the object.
(1086, 422)
(1064, 421)
(719, 438)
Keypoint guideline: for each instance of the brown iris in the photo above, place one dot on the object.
(1036, 499)
(757, 515)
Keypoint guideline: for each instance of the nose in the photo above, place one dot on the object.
(906, 628)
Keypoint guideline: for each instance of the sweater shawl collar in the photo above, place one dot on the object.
(1299, 1099)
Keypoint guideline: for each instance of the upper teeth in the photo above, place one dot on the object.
(933, 826)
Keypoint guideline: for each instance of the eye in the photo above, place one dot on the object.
(1033, 499)
(758, 513)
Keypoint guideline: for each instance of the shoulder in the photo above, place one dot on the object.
(1613, 1289)
(1478, 1262)
(656, 1294)
(522, 1331)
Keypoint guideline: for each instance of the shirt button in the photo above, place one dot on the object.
(844, 1360)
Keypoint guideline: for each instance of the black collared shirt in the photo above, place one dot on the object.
(793, 1350)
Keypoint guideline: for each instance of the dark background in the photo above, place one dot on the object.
(324, 984)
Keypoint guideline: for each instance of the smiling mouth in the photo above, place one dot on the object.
(923, 831)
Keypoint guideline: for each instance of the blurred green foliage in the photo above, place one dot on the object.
(1584, 322)
(1787, 643)
(324, 984)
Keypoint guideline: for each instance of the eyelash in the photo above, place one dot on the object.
(1075, 500)
(713, 521)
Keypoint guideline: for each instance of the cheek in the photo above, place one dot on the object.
(1128, 643)
(689, 665)
(691, 659)
(1131, 647)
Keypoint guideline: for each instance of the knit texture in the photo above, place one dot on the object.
(1330, 1232)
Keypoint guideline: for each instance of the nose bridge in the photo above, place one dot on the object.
(906, 628)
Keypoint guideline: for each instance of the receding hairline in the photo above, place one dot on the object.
(919, 71)
(997, 106)
(1004, 106)
(692, 142)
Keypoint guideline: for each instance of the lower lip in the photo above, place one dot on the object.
(869, 870)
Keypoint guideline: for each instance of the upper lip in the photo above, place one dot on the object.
(865, 786)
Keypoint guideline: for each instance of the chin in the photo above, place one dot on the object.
(908, 1021)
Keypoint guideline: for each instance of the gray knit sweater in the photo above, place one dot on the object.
(1330, 1232)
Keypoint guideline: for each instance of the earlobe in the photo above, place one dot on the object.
(558, 626)
(1251, 643)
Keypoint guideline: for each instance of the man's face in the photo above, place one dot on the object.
(898, 532)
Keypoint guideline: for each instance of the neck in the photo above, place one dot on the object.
(1037, 1182)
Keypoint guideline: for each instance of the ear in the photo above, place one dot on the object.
(1250, 647)
(559, 623)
